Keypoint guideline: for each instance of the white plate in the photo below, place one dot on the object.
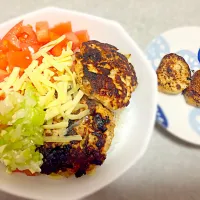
(132, 133)
(173, 113)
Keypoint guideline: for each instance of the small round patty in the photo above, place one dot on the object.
(104, 74)
(173, 74)
(192, 92)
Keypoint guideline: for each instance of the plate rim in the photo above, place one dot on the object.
(178, 28)
(152, 110)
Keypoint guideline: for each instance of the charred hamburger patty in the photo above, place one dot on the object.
(79, 157)
(104, 74)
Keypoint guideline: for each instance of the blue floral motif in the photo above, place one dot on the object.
(199, 55)
(156, 50)
(191, 58)
(194, 121)
(161, 118)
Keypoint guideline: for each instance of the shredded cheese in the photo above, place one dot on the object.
(11, 79)
(56, 84)
(48, 47)
(56, 126)
(63, 139)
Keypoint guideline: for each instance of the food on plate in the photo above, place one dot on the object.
(192, 92)
(104, 74)
(58, 91)
(173, 74)
(80, 157)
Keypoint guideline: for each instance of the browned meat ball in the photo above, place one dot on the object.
(80, 157)
(104, 74)
(192, 93)
(173, 74)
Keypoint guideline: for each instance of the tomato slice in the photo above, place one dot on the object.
(28, 35)
(3, 61)
(30, 47)
(11, 36)
(57, 50)
(62, 28)
(4, 45)
(42, 31)
(28, 29)
(82, 35)
(11, 44)
(19, 38)
(3, 74)
(3, 126)
(14, 30)
(28, 39)
(72, 37)
(27, 172)
(53, 35)
(20, 59)
(40, 60)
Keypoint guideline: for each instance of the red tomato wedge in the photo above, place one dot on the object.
(62, 28)
(28, 39)
(40, 60)
(2, 97)
(28, 29)
(11, 37)
(53, 35)
(28, 35)
(27, 172)
(20, 59)
(30, 47)
(8, 45)
(72, 37)
(82, 35)
(3, 126)
(3, 74)
(14, 30)
(57, 50)
(21, 40)
(42, 31)
(3, 61)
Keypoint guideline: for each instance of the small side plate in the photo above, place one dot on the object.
(173, 113)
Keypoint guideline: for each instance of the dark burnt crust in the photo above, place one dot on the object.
(78, 156)
(105, 58)
(62, 158)
(100, 83)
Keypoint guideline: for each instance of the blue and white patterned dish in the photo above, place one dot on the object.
(173, 113)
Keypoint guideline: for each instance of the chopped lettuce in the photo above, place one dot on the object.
(23, 118)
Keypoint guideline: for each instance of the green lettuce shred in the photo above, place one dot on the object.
(23, 118)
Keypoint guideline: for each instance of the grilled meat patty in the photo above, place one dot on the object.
(104, 74)
(173, 74)
(80, 157)
(192, 93)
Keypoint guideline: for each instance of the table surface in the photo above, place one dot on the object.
(168, 170)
